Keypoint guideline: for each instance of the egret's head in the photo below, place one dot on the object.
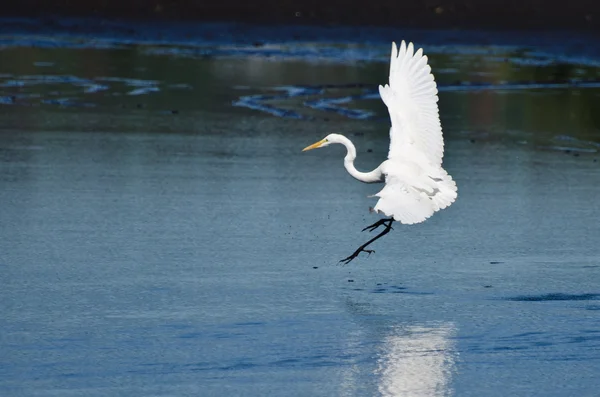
(328, 140)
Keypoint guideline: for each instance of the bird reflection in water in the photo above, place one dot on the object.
(417, 361)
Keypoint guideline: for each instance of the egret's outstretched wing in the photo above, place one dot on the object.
(411, 98)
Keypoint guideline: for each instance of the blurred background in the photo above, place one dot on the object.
(161, 232)
(511, 14)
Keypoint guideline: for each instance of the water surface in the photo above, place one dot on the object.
(162, 234)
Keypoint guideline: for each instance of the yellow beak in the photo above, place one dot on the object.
(314, 145)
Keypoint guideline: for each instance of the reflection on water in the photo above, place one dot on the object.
(417, 361)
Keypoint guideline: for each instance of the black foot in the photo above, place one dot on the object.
(347, 260)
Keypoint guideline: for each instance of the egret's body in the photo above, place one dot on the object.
(416, 185)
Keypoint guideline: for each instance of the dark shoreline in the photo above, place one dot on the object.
(579, 15)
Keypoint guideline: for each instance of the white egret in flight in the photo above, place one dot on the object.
(416, 185)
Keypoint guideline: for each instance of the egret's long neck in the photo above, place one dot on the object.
(367, 177)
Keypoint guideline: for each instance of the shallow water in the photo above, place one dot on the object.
(162, 234)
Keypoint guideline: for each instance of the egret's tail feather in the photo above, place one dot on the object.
(446, 195)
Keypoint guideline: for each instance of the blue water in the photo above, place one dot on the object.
(158, 237)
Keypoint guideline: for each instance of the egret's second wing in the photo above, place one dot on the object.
(403, 202)
(411, 98)
(412, 196)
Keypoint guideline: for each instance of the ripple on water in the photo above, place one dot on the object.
(554, 297)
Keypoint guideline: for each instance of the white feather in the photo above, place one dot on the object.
(416, 184)
(411, 99)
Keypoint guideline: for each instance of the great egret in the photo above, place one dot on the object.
(416, 185)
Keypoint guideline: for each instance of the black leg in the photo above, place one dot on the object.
(377, 224)
(388, 227)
